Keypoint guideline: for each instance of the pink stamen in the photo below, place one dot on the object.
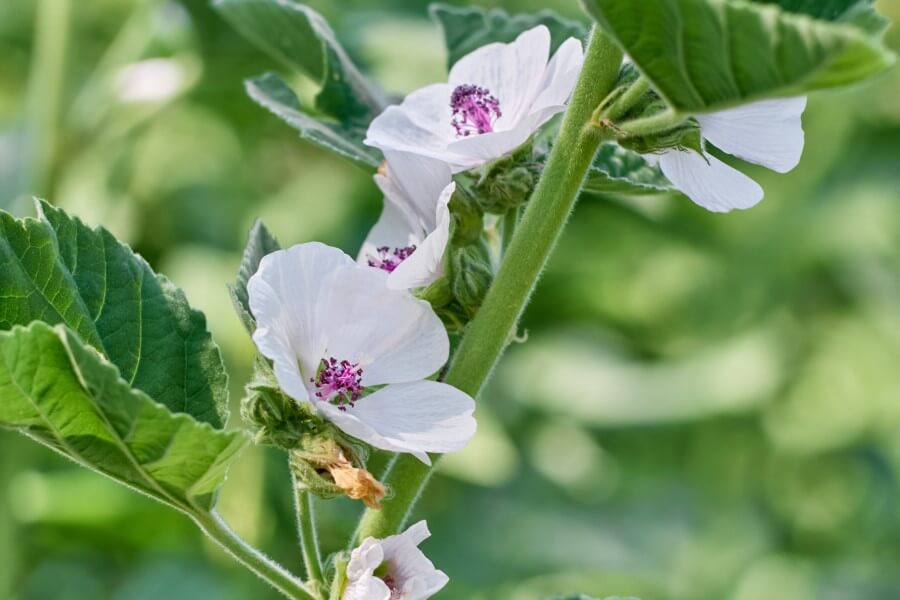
(474, 110)
(388, 259)
(338, 382)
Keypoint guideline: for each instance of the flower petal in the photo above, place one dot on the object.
(427, 263)
(511, 72)
(713, 185)
(767, 133)
(393, 229)
(560, 77)
(409, 567)
(395, 337)
(285, 296)
(420, 124)
(420, 417)
(417, 182)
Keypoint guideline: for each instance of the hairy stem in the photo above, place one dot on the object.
(309, 541)
(536, 235)
(261, 565)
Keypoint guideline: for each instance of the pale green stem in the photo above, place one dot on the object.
(658, 123)
(309, 540)
(45, 88)
(262, 566)
(628, 99)
(536, 234)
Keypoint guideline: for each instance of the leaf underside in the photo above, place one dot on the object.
(705, 55)
(271, 92)
(259, 243)
(62, 393)
(469, 28)
(57, 270)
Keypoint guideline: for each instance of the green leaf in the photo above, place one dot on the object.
(861, 13)
(274, 94)
(65, 395)
(57, 270)
(299, 37)
(259, 243)
(706, 55)
(616, 170)
(469, 28)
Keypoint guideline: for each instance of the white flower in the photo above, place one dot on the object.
(767, 133)
(496, 98)
(410, 237)
(393, 569)
(334, 331)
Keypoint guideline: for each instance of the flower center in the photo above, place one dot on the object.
(392, 585)
(474, 110)
(338, 382)
(388, 259)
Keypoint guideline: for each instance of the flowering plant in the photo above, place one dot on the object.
(105, 362)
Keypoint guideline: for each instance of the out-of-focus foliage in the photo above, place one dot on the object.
(707, 407)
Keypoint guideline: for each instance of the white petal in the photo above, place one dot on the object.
(713, 185)
(511, 72)
(488, 146)
(367, 557)
(420, 124)
(417, 182)
(767, 133)
(395, 337)
(367, 588)
(408, 566)
(427, 263)
(393, 229)
(560, 77)
(285, 296)
(420, 417)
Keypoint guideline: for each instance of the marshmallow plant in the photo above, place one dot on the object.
(106, 362)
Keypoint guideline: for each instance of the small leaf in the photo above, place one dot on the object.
(259, 243)
(469, 28)
(58, 270)
(274, 94)
(616, 170)
(299, 37)
(63, 394)
(707, 55)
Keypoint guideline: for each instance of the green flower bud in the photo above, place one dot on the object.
(685, 136)
(468, 218)
(507, 183)
(471, 275)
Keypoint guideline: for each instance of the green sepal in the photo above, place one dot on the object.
(506, 183)
(471, 274)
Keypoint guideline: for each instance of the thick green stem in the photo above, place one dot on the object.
(309, 541)
(536, 234)
(45, 89)
(257, 562)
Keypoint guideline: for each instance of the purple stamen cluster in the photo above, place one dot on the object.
(474, 110)
(388, 259)
(338, 382)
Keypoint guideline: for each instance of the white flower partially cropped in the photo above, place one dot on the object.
(393, 569)
(410, 237)
(767, 133)
(358, 351)
(496, 98)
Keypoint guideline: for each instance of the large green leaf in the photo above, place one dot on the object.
(467, 28)
(62, 393)
(705, 55)
(57, 270)
(300, 38)
(858, 12)
(616, 170)
(345, 139)
(259, 243)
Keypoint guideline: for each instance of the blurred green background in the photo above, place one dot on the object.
(708, 406)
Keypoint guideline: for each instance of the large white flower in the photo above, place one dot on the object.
(393, 569)
(496, 98)
(767, 133)
(410, 237)
(334, 331)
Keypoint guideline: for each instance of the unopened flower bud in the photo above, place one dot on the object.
(508, 182)
(470, 275)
